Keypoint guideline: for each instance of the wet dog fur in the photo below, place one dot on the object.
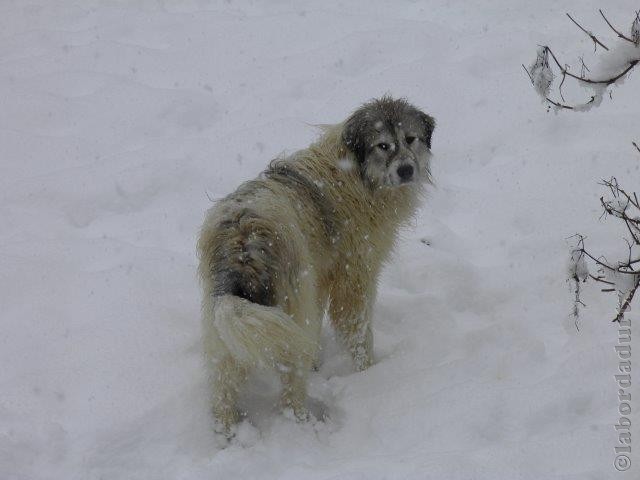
(310, 234)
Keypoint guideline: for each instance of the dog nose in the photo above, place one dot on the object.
(405, 172)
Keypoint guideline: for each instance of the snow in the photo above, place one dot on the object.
(120, 120)
(578, 267)
(541, 73)
(346, 164)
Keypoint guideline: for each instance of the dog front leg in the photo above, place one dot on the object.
(352, 319)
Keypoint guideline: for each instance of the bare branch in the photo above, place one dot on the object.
(620, 34)
(617, 190)
(636, 145)
(604, 81)
(542, 76)
(605, 265)
(564, 77)
(559, 105)
(589, 34)
(622, 205)
(569, 107)
(625, 305)
(530, 77)
(576, 304)
(601, 280)
(583, 68)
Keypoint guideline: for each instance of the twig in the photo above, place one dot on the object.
(620, 34)
(583, 67)
(530, 77)
(623, 308)
(576, 304)
(547, 79)
(617, 189)
(564, 77)
(601, 280)
(624, 206)
(591, 35)
(606, 81)
(569, 107)
(636, 145)
(606, 265)
(558, 104)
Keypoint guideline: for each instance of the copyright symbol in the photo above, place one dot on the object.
(622, 463)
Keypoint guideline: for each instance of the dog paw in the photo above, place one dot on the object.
(220, 441)
(241, 434)
(362, 362)
(299, 414)
(224, 430)
(246, 434)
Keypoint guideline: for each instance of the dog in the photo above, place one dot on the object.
(310, 234)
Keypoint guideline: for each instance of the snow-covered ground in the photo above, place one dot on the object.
(120, 119)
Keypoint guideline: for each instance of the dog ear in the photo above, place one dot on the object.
(353, 135)
(429, 124)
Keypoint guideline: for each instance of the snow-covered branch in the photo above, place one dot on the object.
(622, 276)
(615, 67)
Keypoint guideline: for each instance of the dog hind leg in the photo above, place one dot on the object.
(228, 377)
(306, 311)
(294, 389)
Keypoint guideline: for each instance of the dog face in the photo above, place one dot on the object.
(391, 141)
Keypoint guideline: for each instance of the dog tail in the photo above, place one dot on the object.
(259, 335)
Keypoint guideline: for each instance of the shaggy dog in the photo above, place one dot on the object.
(311, 233)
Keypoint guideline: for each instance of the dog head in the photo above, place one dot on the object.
(391, 140)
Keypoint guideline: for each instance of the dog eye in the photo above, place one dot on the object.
(410, 140)
(383, 146)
